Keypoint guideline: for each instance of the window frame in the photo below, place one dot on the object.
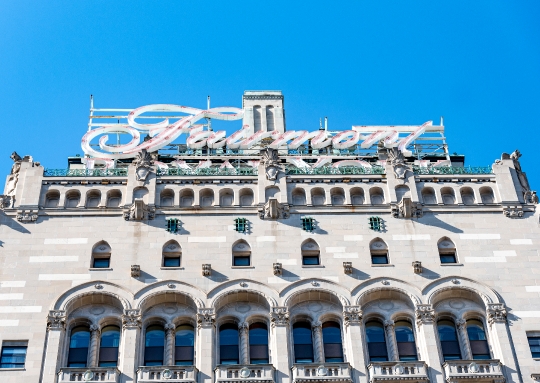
(15, 345)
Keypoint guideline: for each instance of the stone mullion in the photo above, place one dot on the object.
(427, 340)
(243, 330)
(206, 344)
(130, 344)
(52, 357)
(94, 346)
(169, 344)
(391, 340)
(318, 342)
(281, 347)
(466, 352)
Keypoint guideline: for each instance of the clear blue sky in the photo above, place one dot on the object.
(358, 62)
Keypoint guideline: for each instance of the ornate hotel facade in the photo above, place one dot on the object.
(252, 259)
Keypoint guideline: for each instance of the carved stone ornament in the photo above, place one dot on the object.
(27, 216)
(347, 267)
(407, 209)
(139, 211)
(496, 313)
(5, 201)
(144, 165)
(56, 320)
(279, 316)
(529, 196)
(417, 267)
(135, 271)
(278, 269)
(513, 211)
(206, 269)
(522, 177)
(397, 160)
(274, 210)
(13, 178)
(535, 377)
(131, 319)
(425, 314)
(206, 318)
(352, 315)
(270, 160)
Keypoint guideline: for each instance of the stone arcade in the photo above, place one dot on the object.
(368, 255)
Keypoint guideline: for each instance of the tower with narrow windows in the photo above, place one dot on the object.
(264, 111)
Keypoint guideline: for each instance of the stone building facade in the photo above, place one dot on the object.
(140, 271)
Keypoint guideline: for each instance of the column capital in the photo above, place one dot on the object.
(424, 314)
(206, 318)
(94, 328)
(131, 319)
(316, 326)
(496, 313)
(243, 326)
(170, 327)
(389, 324)
(279, 316)
(56, 320)
(352, 315)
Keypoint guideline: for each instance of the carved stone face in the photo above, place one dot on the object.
(272, 173)
(142, 172)
(400, 171)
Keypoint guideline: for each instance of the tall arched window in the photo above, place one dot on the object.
(270, 126)
(93, 198)
(310, 253)
(166, 198)
(73, 198)
(171, 254)
(114, 198)
(78, 347)
(154, 346)
(447, 250)
(303, 343)
(477, 339)
(405, 341)
(108, 346)
(379, 252)
(333, 349)
(258, 343)
(241, 252)
(184, 343)
(101, 255)
(52, 198)
(449, 341)
(257, 118)
(376, 342)
(228, 344)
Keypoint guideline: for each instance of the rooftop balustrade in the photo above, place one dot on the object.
(319, 372)
(327, 170)
(117, 172)
(237, 171)
(89, 374)
(256, 373)
(398, 372)
(452, 170)
(482, 371)
(169, 374)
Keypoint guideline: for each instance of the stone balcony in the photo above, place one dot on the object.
(398, 372)
(87, 374)
(321, 372)
(169, 374)
(481, 371)
(257, 373)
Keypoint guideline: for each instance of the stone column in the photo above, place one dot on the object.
(243, 330)
(281, 348)
(428, 343)
(317, 342)
(501, 343)
(169, 344)
(130, 345)
(94, 346)
(391, 340)
(461, 325)
(205, 344)
(56, 321)
(354, 342)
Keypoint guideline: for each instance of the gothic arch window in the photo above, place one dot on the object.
(376, 195)
(357, 196)
(447, 251)
(73, 197)
(257, 118)
(449, 340)
(270, 118)
(52, 198)
(379, 252)
(303, 343)
(299, 196)
(258, 343)
(486, 194)
(186, 198)
(477, 339)
(226, 197)
(310, 253)
(448, 196)
(166, 198)
(246, 197)
(241, 253)
(402, 191)
(184, 345)
(79, 342)
(332, 342)
(108, 346)
(171, 254)
(318, 197)
(376, 341)
(228, 344)
(406, 345)
(467, 196)
(338, 196)
(101, 255)
(114, 198)
(154, 345)
(93, 198)
(206, 198)
(428, 196)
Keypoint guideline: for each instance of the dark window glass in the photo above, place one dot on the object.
(171, 262)
(448, 258)
(449, 341)
(478, 340)
(379, 259)
(310, 260)
(241, 261)
(78, 347)
(13, 357)
(376, 342)
(108, 348)
(405, 341)
(154, 346)
(333, 349)
(102, 263)
(258, 343)
(534, 344)
(228, 344)
(184, 345)
(303, 343)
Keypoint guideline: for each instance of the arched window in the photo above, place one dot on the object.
(333, 349)
(402, 191)
(108, 346)
(78, 347)
(206, 198)
(448, 196)
(376, 195)
(310, 253)
(486, 194)
(467, 196)
(357, 196)
(303, 343)
(154, 346)
(338, 196)
(114, 198)
(101, 255)
(477, 339)
(318, 197)
(167, 198)
(93, 198)
(449, 341)
(186, 198)
(228, 344)
(140, 193)
(271, 192)
(226, 197)
(405, 341)
(246, 197)
(52, 198)
(428, 196)
(379, 252)
(376, 342)
(73, 198)
(241, 254)
(270, 126)
(172, 252)
(184, 343)
(257, 119)
(258, 343)
(299, 196)
(447, 251)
